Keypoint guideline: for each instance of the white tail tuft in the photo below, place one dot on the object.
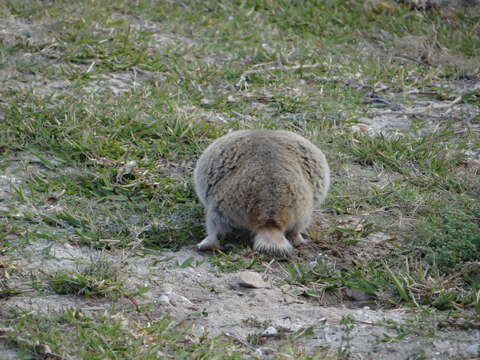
(271, 240)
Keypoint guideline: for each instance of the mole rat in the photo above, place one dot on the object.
(267, 182)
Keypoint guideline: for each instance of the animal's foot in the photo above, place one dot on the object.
(211, 242)
(297, 239)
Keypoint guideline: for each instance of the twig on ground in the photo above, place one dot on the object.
(349, 82)
(345, 81)
(243, 77)
(459, 325)
(239, 341)
(422, 110)
(268, 267)
(410, 58)
(137, 307)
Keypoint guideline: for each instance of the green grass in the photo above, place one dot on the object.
(147, 85)
(98, 279)
(236, 259)
(452, 240)
(98, 337)
(428, 162)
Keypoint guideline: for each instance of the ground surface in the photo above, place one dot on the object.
(106, 105)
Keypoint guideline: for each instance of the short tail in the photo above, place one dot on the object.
(272, 241)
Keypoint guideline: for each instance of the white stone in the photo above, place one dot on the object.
(251, 279)
(269, 331)
(164, 299)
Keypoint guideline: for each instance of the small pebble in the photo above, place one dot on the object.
(473, 350)
(269, 331)
(259, 352)
(357, 295)
(164, 299)
(251, 279)
(198, 330)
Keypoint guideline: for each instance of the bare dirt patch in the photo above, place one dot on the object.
(423, 114)
(214, 303)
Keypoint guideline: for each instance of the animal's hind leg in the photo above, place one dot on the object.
(216, 225)
(296, 238)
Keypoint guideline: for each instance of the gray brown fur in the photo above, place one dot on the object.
(264, 181)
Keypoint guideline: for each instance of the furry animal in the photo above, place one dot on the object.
(264, 181)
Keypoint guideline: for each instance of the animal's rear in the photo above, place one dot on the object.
(263, 181)
(270, 218)
(267, 186)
